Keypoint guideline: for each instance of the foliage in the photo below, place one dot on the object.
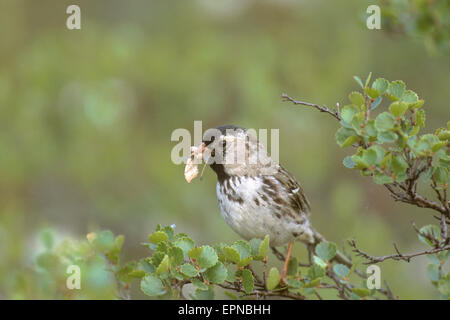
(428, 20)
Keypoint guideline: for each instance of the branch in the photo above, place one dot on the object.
(335, 114)
(397, 256)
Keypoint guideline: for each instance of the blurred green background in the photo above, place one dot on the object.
(86, 119)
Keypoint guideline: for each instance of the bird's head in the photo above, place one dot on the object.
(233, 151)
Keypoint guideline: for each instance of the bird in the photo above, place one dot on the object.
(256, 195)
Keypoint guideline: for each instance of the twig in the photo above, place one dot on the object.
(335, 114)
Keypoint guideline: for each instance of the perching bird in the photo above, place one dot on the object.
(256, 195)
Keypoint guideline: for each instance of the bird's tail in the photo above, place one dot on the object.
(340, 257)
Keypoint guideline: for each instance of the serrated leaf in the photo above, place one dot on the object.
(185, 244)
(194, 253)
(384, 121)
(176, 255)
(273, 278)
(207, 258)
(326, 250)
(247, 280)
(348, 112)
(372, 93)
(380, 85)
(243, 248)
(189, 270)
(395, 90)
(410, 96)
(356, 98)
(440, 175)
(420, 118)
(382, 179)
(387, 137)
(157, 237)
(398, 108)
(152, 286)
(231, 254)
(217, 274)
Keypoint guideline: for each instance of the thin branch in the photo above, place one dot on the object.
(397, 256)
(335, 114)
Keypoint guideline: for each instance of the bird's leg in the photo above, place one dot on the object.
(286, 262)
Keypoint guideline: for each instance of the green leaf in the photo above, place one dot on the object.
(255, 244)
(372, 93)
(349, 141)
(444, 285)
(194, 253)
(247, 280)
(395, 90)
(348, 162)
(315, 272)
(444, 135)
(420, 118)
(343, 134)
(231, 254)
(399, 165)
(376, 103)
(384, 121)
(189, 270)
(382, 179)
(185, 243)
(319, 262)
(164, 265)
(157, 237)
(341, 270)
(368, 79)
(348, 112)
(433, 272)
(326, 250)
(356, 98)
(207, 258)
(358, 80)
(410, 96)
(205, 294)
(370, 157)
(217, 274)
(264, 247)
(313, 283)
(387, 137)
(176, 255)
(243, 248)
(152, 286)
(273, 278)
(398, 108)
(417, 104)
(380, 85)
(361, 292)
(199, 284)
(441, 175)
